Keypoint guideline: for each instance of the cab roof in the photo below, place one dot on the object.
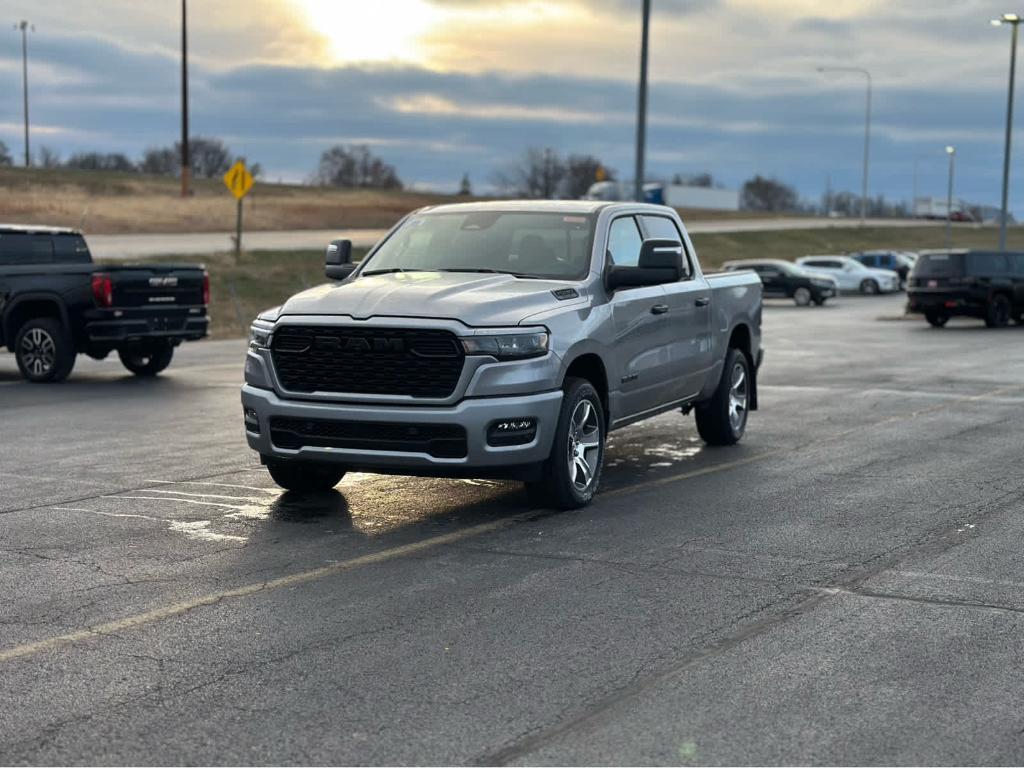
(23, 229)
(539, 206)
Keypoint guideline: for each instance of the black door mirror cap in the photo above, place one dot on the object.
(339, 271)
(637, 277)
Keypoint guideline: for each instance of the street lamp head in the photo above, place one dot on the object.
(950, 150)
(1006, 18)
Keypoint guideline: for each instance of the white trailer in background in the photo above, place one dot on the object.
(674, 195)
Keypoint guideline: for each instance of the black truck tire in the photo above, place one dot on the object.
(304, 476)
(936, 319)
(997, 313)
(572, 472)
(723, 419)
(147, 359)
(44, 350)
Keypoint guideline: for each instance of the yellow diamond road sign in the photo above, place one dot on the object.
(238, 180)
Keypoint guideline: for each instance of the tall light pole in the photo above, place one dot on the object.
(24, 26)
(867, 136)
(951, 151)
(186, 165)
(1014, 21)
(641, 106)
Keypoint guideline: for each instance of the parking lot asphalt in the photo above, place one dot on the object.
(845, 586)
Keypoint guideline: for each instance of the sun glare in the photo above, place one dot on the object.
(381, 31)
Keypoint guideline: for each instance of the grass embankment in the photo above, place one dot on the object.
(714, 249)
(102, 202)
(263, 279)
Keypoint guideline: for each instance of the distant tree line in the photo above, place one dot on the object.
(209, 158)
(355, 166)
(543, 173)
(5, 156)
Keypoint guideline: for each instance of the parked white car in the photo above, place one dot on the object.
(851, 275)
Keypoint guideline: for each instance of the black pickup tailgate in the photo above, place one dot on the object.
(154, 286)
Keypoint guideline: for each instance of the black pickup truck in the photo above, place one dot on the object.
(56, 303)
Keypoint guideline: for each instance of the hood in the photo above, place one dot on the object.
(474, 299)
(887, 274)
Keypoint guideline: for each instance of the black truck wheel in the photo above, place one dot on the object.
(936, 319)
(147, 359)
(572, 472)
(44, 351)
(723, 419)
(304, 476)
(997, 315)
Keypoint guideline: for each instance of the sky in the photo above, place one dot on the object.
(440, 88)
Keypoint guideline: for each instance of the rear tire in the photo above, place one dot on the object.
(802, 296)
(723, 420)
(821, 302)
(147, 359)
(936, 319)
(44, 351)
(869, 287)
(572, 472)
(304, 476)
(997, 314)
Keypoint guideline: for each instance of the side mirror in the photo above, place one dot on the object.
(338, 260)
(660, 261)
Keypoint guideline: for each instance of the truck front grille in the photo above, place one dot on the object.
(372, 361)
(442, 441)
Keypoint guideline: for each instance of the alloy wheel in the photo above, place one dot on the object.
(738, 397)
(38, 352)
(584, 445)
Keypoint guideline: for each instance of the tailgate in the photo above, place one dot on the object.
(156, 286)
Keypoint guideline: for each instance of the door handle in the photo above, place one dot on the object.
(703, 301)
(659, 309)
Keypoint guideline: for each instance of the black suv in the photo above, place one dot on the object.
(55, 303)
(983, 284)
(783, 279)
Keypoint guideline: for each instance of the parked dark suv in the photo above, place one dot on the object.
(983, 284)
(783, 279)
(56, 303)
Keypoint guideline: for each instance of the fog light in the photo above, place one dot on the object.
(511, 432)
(252, 421)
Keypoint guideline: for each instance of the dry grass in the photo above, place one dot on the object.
(111, 203)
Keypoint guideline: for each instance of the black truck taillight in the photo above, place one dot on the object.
(206, 287)
(103, 289)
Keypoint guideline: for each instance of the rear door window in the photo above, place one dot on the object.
(71, 249)
(664, 228)
(15, 248)
(986, 264)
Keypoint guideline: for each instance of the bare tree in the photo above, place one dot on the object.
(5, 155)
(539, 173)
(465, 188)
(761, 194)
(160, 161)
(581, 171)
(47, 157)
(98, 161)
(355, 166)
(209, 157)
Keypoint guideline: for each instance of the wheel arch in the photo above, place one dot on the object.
(28, 306)
(590, 366)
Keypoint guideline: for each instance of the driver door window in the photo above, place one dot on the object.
(624, 242)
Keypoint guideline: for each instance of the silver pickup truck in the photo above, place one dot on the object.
(501, 339)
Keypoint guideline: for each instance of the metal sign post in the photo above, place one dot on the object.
(239, 182)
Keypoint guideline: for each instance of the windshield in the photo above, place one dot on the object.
(541, 245)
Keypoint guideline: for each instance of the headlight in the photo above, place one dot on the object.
(507, 346)
(259, 335)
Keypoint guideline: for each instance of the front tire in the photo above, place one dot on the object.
(723, 420)
(998, 313)
(44, 351)
(148, 359)
(572, 471)
(869, 287)
(936, 319)
(304, 476)
(802, 296)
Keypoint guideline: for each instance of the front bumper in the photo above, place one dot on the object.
(475, 415)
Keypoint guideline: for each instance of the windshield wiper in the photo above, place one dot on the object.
(488, 271)
(389, 270)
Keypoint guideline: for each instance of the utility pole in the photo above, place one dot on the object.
(24, 26)
(641, 106)
(1014, 21)
(867, 136)
(951, 151)
(186, 165)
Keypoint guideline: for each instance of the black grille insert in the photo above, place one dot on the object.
(372, 361)
(443, 441)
